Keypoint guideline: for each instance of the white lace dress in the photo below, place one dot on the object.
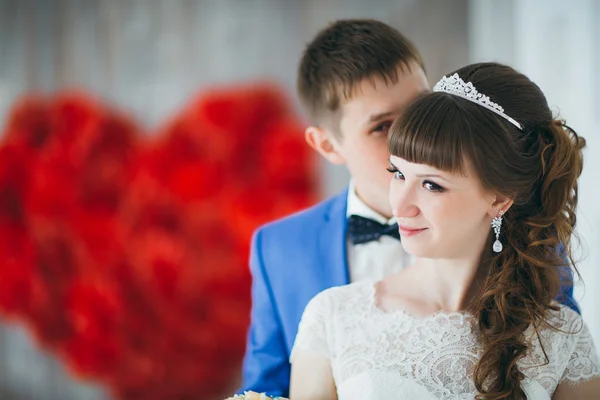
(377, 355)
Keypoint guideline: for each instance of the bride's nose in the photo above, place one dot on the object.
(403, 201)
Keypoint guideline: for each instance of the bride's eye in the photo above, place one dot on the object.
(433, 187)
(397, 174)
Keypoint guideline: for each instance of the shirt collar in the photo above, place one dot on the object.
(358, 207)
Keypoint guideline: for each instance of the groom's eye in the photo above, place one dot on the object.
(382, 128)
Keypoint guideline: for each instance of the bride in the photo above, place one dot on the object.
(484, 190)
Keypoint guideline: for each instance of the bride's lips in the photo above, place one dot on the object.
(408, 232)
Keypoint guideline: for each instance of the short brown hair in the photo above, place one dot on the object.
(344, 54)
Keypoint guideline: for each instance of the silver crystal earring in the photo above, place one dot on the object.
(496, 224)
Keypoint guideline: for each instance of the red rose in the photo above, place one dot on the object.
(287, 163)
(95, 311)
(14, 180)
(74, 116)
(17, 270)
(29, 123)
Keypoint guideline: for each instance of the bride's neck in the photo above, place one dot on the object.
(450, 285)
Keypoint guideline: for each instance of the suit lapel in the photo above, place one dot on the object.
(332, 244)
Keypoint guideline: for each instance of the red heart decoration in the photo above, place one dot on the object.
(126, 254)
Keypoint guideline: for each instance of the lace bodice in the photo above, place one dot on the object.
(394, 355)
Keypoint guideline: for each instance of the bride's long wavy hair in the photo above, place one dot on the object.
(538, 168)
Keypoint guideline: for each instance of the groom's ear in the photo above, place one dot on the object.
(324, 143)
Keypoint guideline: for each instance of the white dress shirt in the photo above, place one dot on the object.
(374, 260)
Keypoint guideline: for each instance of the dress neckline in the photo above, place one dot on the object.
(440, 314)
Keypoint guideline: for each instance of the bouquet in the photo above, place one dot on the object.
(254, 396)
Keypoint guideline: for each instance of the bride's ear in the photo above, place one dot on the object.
(500, 205)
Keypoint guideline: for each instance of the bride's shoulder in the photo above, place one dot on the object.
(562, 340)
(346, 296)
(564, 318)
(563, 325)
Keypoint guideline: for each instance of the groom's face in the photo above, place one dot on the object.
(364, 124)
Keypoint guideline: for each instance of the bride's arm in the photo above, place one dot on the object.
(311, 377)
(588, 390)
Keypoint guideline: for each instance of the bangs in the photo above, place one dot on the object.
(434, 131)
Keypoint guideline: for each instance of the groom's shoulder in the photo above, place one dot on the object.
(307, 219)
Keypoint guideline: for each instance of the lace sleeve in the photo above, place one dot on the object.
(313, 330)
(583, 363)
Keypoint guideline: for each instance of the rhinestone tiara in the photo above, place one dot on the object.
(456, 86)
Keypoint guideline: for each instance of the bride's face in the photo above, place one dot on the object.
(440, 214)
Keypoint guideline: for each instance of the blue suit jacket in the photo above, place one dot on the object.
(291, 261)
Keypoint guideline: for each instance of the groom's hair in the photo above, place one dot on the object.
(344, 54)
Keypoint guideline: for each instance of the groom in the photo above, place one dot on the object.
(354, 79)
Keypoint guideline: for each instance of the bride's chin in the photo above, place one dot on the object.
(420, 250)
(416, 252)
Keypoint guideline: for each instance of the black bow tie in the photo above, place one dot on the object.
(363, 230)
